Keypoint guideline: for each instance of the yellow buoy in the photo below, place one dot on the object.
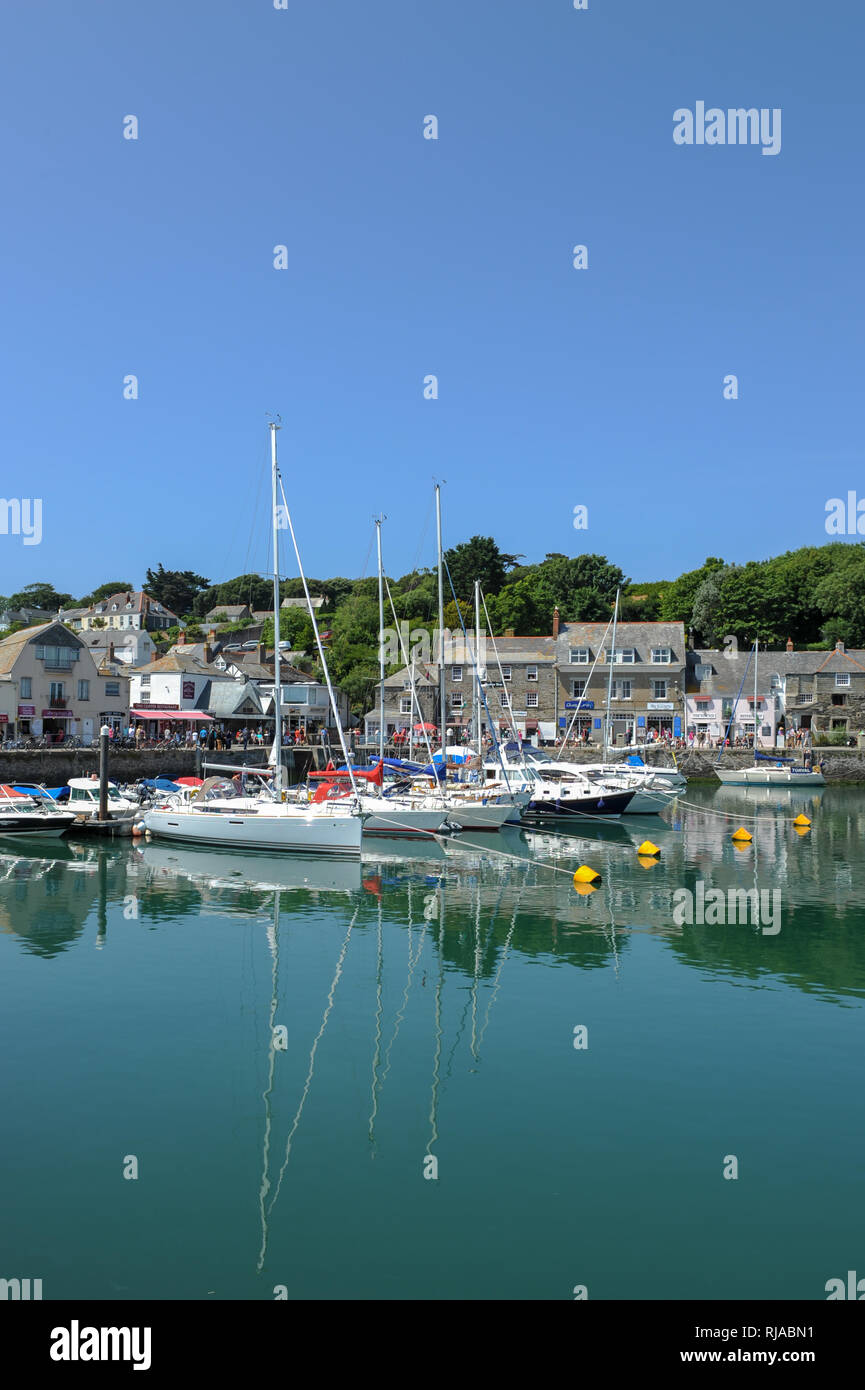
(648, 861)
(586, 875)
(802, 829)
(648, 850)
(584, 889)
(743, 846)
(802, 821)
(741, 834)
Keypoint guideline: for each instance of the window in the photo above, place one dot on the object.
(84, 690)
(26, 688)
(621, 690)
(661, 656)
(145, 680)
(806, 697)
(624, 656)
(457, 701)
(506, 673)
(56, 691)
(531, 673)
(842, 678)
(659, 690)
(505, 700)
(579, 688)
(405, 704)
(406, 685)
(579, 656)
(457, 673)
(57, 658)
(531, 699)
(112, 688)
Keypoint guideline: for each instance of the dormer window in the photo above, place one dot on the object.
(579, 656)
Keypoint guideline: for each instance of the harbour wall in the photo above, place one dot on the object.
(54, 767)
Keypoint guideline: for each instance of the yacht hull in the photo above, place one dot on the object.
(301, 833)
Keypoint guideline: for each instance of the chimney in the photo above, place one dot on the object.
(110, 651)
(508, 632)
(556, 621)
(262, 653)
(181, 638)
(206, 654)
(211, 636)
(839, 647)
(789, 644)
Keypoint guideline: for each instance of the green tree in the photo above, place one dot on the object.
(40, 595)
(478, 558)
(112, 586)
(177, 590)
(678, 599)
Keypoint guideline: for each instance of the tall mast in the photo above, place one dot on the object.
(610, 681)
(379, 519)
(276, 751)
(441, 653)
(478, 668)
(756, 650)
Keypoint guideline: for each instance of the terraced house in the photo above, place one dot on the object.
(51, 686)
(648, 679)
(823, 691)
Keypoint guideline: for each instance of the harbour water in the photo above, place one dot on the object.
(443, 1073)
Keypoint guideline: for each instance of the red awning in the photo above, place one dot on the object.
(183, 714)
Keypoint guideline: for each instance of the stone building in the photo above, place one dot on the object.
(648, 679)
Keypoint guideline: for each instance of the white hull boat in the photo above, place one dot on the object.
(784, 776)
(270, 826)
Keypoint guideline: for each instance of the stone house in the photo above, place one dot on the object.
(128, 610)
(648, 679)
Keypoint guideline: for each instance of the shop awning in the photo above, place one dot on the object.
(181, 714)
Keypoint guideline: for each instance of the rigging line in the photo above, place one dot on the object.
(414, 695)
(736, 815)
(377, 1054)
(474, 991)
(434, 1097)
(412, 964)
(315, 1044)
(266, 1095)
(504, 957)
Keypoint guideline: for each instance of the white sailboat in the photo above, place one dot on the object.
(222, 816)
(769, 769)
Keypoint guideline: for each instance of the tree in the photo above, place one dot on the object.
(478, 558)
(112, 586)
(40, 595)
(177, 590)
(250, 589)
(840, 596)
(678, 600)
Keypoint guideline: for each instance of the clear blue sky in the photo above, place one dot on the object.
(409, 256)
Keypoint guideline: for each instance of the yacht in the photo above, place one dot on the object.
(23, 813)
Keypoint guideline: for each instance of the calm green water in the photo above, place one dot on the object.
(429, 1002)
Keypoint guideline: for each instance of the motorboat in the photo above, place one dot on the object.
(22, 813)
(84, 798)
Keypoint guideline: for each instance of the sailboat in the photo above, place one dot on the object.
(219, 814)
(769, 769)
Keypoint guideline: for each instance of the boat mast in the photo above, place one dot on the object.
(441, 653)
(378, 520)
(478, 670)
(610, 681)
(756, 650)
(276, 751)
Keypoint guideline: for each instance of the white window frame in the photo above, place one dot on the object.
(405, 704)
(619, 689)
(659, 694)
(842, 679)
(457, 700)
(531, 673)
(578, 681)
(531, 699)
(661, 656)
(506, 673)
(456, 673)
(579, 656)
(505, 700)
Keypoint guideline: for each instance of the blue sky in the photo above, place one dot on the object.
(557, 387)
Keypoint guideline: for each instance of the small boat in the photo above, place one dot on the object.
(769, 769)
(25, 814)
(84, 798)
